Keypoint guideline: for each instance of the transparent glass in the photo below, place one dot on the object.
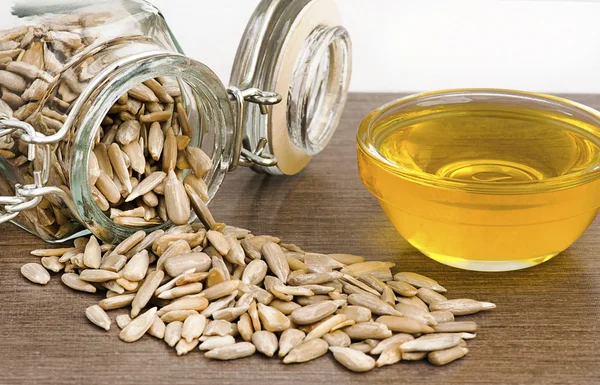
(484, 179)
(85, 55)
(300, 50)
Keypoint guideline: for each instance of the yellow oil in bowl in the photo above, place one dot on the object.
(487, 180)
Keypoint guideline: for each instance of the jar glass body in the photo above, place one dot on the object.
(87, 54)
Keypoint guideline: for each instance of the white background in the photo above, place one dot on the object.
(417, 45)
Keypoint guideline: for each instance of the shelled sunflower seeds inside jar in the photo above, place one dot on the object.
(145, 154)
(141, 155)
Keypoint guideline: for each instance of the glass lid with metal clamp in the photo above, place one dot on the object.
(107, 127)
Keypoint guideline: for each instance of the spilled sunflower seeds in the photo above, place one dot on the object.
(228, 293)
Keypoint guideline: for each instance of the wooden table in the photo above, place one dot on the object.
(546, 329)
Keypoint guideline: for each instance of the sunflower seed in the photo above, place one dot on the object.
(265, 342)
(462, 306)
(376, 305)
(236, 254)
(51, 252)
(177, 315)
(97, 275)
(313, 313)
(442, 316)
(337, 338)
(180, 291)
(405, 325)
(116, 302)
(221, 290)
(193, 327)
(368, 267)
(352, 359)
(397, 339)
(389, 356)
(180, 263)
(173, 333)
(414, 301)
(35, 273)
(430, 342)
(356, 313)
(138, 326)
(306, 351)
(108, 188)
(200, 163)
(276, 260)
(178, 204)
(169, 153)
(230, 314)
(137, 267)
(232, 352)
(143, 93)
(158, 328)
(419, 280)
(146, 185)
(113, 288)
(286, 307)
(191, 302)
(123, 320)
(430, 296)
(176, 248)
(361, 347)
(113, 262)
(255, 272)
(216, 342)
(463, 335)
(98, 317)
(184, 346)
(245, 328)
(52, 264)
(413, 356)
(218, 328)
(325, 326)
(220, 304)
(251, 250)
(443, 357)
(218, 241)
(12, 81)
(92, 256)
(272, 319)
(365, 330)
(146, 291)
(347, 259)
(454, 327)
(198, 185)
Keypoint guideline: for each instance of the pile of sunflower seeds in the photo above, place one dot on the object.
(224, 291)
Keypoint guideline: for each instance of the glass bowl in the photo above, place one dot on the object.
(484, 179)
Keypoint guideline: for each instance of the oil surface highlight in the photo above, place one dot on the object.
(491, 143)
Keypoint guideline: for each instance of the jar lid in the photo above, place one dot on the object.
(298, 49)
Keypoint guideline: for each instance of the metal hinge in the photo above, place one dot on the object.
(244, 154)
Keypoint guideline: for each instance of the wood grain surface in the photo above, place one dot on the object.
(546, 329)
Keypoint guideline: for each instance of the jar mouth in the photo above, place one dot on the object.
(200, 86)
(500, 176)
(319, 88)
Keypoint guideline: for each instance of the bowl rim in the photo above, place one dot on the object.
(365, 143)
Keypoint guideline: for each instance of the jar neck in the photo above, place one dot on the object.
(204, 96)
(318, 89)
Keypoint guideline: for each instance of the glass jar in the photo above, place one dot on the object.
(64, 65)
